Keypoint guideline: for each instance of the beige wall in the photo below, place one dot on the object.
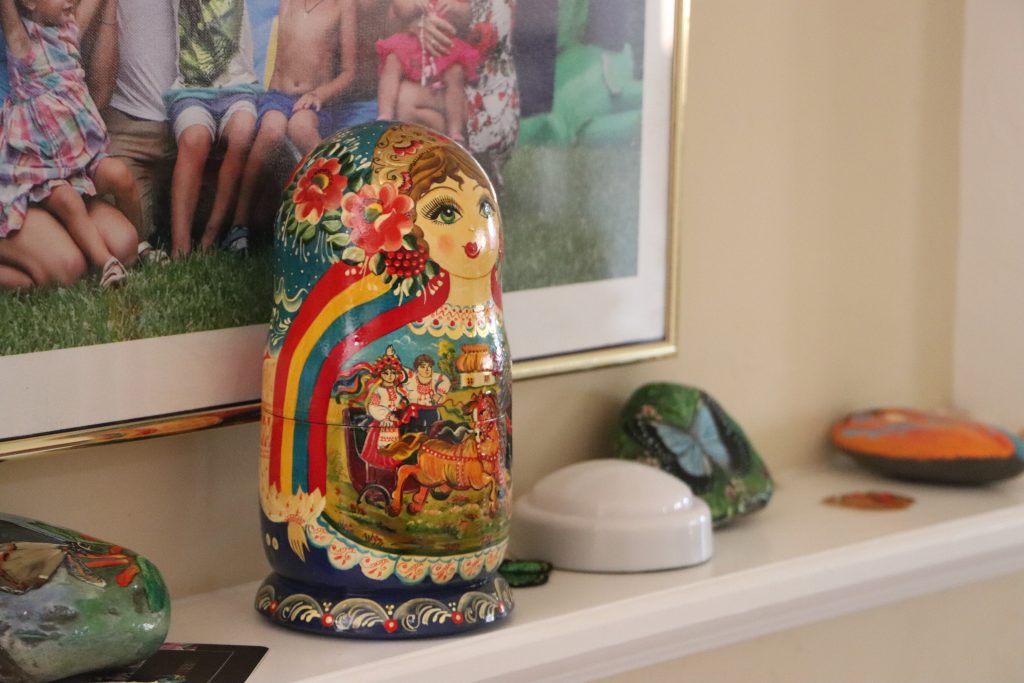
(989, 374)
(817, 257)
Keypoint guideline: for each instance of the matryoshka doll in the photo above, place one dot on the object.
(385, 446)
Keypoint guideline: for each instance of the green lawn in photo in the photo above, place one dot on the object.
(571, 193)
(570, 214)
(201, 292)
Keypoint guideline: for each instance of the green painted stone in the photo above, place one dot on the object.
(70, 603)
(685, 432)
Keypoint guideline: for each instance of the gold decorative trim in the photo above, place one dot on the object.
(133, 430)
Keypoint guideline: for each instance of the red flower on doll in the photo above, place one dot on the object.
(378, 216)
(319, 190)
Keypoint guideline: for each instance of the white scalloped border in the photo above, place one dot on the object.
(345, 554)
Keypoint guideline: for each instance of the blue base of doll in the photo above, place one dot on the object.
(423, 611)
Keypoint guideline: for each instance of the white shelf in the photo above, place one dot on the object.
(795, 562)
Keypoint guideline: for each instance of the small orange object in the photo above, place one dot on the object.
(125, 577)
(870, 500)
(106, 562)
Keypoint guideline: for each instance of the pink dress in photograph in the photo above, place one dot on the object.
(419, 66)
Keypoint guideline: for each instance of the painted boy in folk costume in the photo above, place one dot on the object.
(426, 390)
(407, 228)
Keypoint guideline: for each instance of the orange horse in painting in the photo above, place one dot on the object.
(475, 463)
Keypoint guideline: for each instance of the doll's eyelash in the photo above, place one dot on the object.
(433, 209)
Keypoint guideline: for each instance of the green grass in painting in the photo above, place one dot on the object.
(461, 523)
(570, 214)
(202, 292)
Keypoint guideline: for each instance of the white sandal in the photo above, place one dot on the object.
(113, 274)
(151, 256)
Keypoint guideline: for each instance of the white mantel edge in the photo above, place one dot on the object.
(703, 615)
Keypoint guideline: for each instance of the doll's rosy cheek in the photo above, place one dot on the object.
(445, 244)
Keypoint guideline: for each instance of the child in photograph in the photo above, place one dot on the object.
(53, 143)
(314, 66)
(438, 76)
(212, 102)
(132, 60)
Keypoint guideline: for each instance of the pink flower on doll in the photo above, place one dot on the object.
(378, 217)
(319, 190)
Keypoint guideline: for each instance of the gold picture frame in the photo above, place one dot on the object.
(239, 406)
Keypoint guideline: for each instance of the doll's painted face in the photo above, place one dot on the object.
(459, 221)
(50, 12)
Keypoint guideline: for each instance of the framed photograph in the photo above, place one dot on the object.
(141, 309)
(590, 188)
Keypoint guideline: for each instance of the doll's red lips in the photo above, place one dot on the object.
(472, 249)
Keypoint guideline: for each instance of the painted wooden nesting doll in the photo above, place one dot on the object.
(385, 446)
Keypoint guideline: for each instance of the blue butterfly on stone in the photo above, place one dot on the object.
(685, 432)
(691, 453)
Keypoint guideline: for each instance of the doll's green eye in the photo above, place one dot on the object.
(447, 215)
(443, 210)
(486, 208)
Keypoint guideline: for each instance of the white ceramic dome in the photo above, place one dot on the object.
(612, 516)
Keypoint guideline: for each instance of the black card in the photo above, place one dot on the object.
(187, 663)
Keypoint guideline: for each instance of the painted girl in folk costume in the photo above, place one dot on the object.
(378, 388)
(384, 406)
(388, 246)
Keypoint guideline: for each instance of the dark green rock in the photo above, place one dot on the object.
(70, 603)
(685, 432)
(525, 573)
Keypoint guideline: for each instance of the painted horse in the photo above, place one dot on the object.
(474, 463)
